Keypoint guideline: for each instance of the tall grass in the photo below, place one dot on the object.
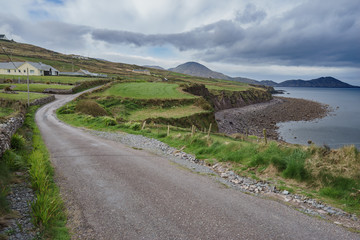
(30, 153)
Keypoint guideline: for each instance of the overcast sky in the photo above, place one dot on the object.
(260, 39)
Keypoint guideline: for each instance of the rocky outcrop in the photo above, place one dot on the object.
(224, 99)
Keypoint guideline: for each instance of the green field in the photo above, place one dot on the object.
(156, 112)
(6, 111)
(146, 90)
(35, 87)
(49, 79)
(22, 96)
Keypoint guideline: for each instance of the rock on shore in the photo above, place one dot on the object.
(254, 118)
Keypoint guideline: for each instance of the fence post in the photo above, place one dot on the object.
(143, 126)
(264, 132)
(168, 131)
(209, 130)
(192, 130)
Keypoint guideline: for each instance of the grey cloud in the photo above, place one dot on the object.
(312, 33)
(250, 14)
(224, 33)
(49, 34)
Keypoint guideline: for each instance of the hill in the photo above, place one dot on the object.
(324, 82)
(63, 62)
(199, 70)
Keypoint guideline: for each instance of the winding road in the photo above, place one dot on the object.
(116, 192)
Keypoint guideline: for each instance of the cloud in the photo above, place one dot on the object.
(250, 14)
(312, 33)
(247, 33)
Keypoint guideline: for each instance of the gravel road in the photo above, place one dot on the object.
(113, 191)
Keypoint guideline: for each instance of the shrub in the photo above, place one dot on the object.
(90, 107)
(17, 142)
(67, 109)
(109, 121)
(133, 126)
(296, 166)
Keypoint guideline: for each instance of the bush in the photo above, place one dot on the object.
(296, 166)
(17, 142)
(109, 121)
(133, 126)
(90, 107)
(7, 89)
(67, 109)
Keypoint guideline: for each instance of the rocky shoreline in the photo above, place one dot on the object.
(254, 118)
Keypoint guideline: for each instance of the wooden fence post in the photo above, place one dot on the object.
(264, 132)
(209, 130)
(143, 126)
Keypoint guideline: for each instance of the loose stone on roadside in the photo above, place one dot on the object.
(228, 177)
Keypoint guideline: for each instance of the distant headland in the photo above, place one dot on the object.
(323, 82)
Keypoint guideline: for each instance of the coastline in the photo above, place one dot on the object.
(252, 119)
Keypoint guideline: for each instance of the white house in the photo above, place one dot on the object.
(3, 37)
(21, 68)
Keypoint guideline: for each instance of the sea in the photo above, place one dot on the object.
(341, 127)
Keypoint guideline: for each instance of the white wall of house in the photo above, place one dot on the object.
(22, 70)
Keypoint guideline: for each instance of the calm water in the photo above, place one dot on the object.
(341, 128)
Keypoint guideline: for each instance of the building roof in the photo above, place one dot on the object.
(38, 65)
(10, 65)
(3, 36)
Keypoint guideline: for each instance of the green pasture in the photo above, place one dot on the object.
(156, 112)
(35, 87)
(22, 96)
(49, 79)
(146, 90)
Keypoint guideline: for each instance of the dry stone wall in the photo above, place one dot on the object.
(11, 125)
(7, 129)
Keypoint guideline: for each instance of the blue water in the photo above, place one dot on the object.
(341, 127)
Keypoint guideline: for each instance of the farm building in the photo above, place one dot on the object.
(82, 72)
(20, 68)
(3, 37)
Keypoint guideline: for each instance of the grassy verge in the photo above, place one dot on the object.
(29, 153)
(295, 168)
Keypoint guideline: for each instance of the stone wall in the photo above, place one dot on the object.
(7, 129)
(58, 91)
(11, 125)
(43, 101)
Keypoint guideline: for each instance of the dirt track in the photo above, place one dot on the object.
(116, 192)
